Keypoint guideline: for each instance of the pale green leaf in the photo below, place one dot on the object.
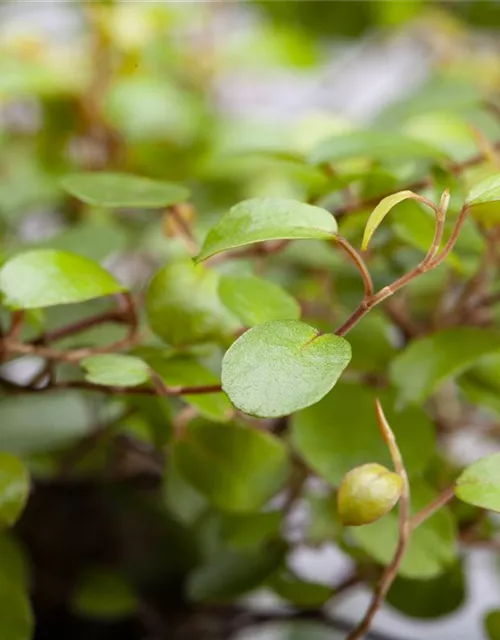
(117, 190)
(428, 361)
(236, 468)
(262, 219)
(115, 370)
(255, 301)
(376, 145)
(280, 367)
(379, 213)
(479, 484)
(45, 277)
(183, 306)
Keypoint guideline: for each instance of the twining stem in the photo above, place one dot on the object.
(405, 528)
(429, 510)
(358, 261)
(431, 260)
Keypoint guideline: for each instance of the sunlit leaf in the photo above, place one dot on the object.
(379, 213)
(479, 484)
(279, 367)
(263, 219)
(45, 277)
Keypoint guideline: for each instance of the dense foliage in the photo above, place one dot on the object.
(225, 340)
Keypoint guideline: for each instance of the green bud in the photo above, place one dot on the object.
(367, 493)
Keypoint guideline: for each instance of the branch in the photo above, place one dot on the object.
(429, 510)
(432, 259)
(391, 570)
(358, 261)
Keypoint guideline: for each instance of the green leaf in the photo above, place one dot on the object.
(115, 370)
(16, 617)
(243, 531)
(237, 468)
(233, 573)
(379, 213)
(483, 200)
(429, 599)
(492, 625)
(279, 367)
(186, 371)
(479, 484)
(432, 547)
(37, 423)
(117, 190)
(428, 361)
(14, 569)
(255, 301)
(263, 219)
(183, 306)
(44, 277)
(102, 593)
(340, 432)
(14, 488)
(376, 145)
(300, 592)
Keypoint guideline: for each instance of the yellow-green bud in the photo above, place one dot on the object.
(367, 493)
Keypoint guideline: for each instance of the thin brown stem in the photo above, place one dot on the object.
(391, 570)
(113, 315)
(358, 261)
(429, 510)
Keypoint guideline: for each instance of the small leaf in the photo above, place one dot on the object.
(255, 301)
(379, 213)
(187, 371)
(14, 488)
(300, 592)
(237, 468)
(264, 219)
(492, 624)
(479, 484)
(117, 190)
(279, 367)
(102, 593)
(428, 361)
(429, 599)
(44, 277)
(115, 370)
(16, 616)
(376, 145)
(483, 200)
(340, 432)
(183, 306)
(432, 547)
(233, 573)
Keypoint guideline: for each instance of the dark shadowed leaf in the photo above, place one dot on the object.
(14, 488)
(103, 593)
(237, 468)
(492, 625)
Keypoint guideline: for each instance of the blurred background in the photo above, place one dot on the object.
(222, 96)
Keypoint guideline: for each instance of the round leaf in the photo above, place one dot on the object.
(116, 190)
(14, 488)
(45, 277)
(183, 306)
(237, 468)
(279, 367)
(479, 484)
(263, 219)
(255, 301)
(340, 432)
(116, 370)
(432, 547)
